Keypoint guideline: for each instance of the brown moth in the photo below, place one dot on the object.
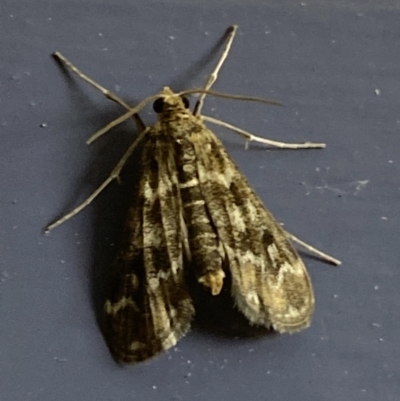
(195, 211)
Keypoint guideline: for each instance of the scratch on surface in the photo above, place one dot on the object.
(357, 185)
(353, 187)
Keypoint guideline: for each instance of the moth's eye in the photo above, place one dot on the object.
(185, 101)
(158, 105)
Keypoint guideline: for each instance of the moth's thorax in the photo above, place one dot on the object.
(179, 125)
(173, 113)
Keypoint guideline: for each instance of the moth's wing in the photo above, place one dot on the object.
(149, 308)
(270, 283)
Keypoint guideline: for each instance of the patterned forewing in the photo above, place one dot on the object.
(270, 283)
(149, 308)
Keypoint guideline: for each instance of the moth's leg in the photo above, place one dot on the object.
(250, 137)
(108, 94)
(113, 176)
(131, 112)
(313, 250)
(214, 75)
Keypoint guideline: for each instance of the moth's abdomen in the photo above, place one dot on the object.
(206, 250)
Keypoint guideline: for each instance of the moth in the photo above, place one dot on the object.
(194, 213)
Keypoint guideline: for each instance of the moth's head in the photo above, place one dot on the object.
(170, 102)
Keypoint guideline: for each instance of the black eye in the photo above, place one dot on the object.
(185, 101)
(158, 105)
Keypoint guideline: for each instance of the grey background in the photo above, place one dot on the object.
(335, 65)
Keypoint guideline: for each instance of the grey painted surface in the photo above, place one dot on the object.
(336, 67)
